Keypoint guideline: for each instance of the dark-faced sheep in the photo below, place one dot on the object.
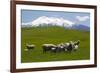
(76, 45)
(72, 46)
(69, 46)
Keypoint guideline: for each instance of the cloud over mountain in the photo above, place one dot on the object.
(82, 18)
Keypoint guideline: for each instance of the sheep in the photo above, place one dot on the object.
(48, 47)
(60, 48)
(77, 42)
(72, 46)
(29, 47)
(54, 49)
(76, 47)
(66, 46)
(69, 46)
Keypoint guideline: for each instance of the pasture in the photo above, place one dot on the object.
(53, 35)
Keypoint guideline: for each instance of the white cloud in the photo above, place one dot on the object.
(82, 18)
(28, 23)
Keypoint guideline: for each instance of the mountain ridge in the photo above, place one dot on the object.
(54, 21)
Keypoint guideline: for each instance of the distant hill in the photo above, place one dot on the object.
(81, 27)
(77, 27)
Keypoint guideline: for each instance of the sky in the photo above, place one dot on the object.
(82, 18)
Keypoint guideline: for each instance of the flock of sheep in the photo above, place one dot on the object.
(62, 47)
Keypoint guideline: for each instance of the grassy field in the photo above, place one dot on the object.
(54, 35)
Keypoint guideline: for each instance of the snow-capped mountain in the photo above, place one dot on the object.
(44, 20)
(52, 21)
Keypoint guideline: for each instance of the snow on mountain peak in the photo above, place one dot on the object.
(44, 20)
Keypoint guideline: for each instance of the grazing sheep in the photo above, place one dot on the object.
(72, 46)
(29, 47)
(60, 48)
(66, 46)
(69, 46)
(48, 47)
(54, 49)
(76, 47)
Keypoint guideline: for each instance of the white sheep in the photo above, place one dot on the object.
(29, 46)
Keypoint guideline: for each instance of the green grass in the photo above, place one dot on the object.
(54, 35)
